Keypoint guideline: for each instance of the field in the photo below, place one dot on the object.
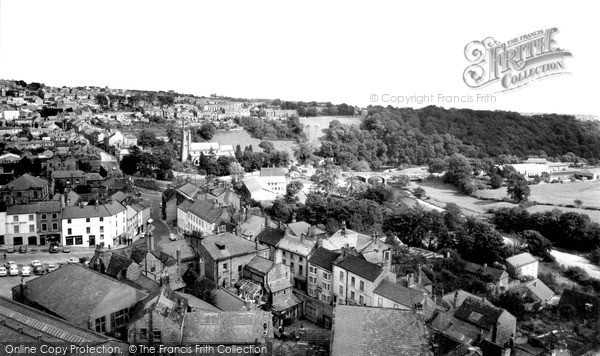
(313, 126)
(441, 194)
(555, 194)
(237, 137)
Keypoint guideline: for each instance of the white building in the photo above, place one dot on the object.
(21, 225)
(10, 115)
(92, 225)
(271, 183)
(522, 265)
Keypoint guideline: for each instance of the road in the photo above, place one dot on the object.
(161, 230)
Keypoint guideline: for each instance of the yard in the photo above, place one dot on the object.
(555, 194)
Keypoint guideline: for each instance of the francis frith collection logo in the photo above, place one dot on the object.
(514, 63)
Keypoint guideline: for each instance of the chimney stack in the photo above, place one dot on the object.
(455, 300)
(344, 227)
(178, 256)
(201, 267)
(419, 271)
(496, 333)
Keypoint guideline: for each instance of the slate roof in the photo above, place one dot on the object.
(478, 313)
(298, 245)
(227, 327)
(360, 267)
(188, 189)
(579, 301)
(117, 264)
(26, 182)
(370, 331)
(284, 304)
(495, 273)
(49, 206)
(252, 184)
(138, 254)
(227, 301)
(260, 264)
(119, 196)
(455, 328)
(521, 259)
(398, 293)
(185, 250)
(73, 292)
(537, 288)
(34, 323)
(197, 303)
(324, 258)
(302, 227)
(253, 225)
(165, 302)
(448, 299)
(92, 211)
(233, 246)
(205, 211)
(270, 236)
(67, 174)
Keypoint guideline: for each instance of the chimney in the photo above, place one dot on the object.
(257, 245)
(201, 266)
(312, 231)
(419, 271)
(266, 222)
(424, 299)
(319, 241)
(455, 300)
(178, 256)
(344, 227)
(496, 333)
(485, 265)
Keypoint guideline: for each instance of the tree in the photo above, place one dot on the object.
(293, 188)
(304, 152)
(453, 216)
(327, 177)
(419, 192)
(206, 131)
(512, 303)
(537, 244)
(437, 165)
(203, 289)
(495, 181)
(237, 172)
(267, 146)
(147, 138)
(85, 166)
(518, 188)
(578, 203)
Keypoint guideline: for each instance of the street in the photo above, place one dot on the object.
(161, 230)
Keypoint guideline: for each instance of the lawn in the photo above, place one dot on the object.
(555, 194)
(237, 137)
(313, 126)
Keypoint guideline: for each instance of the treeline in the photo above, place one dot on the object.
(244, 161)
(289, 129)
(568, 230)
(415, 136)
(312, 108)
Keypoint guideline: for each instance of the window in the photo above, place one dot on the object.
(44, 217)
(352, 281)
(68, 221)
(88, 230)
(300, 269)
(101, 324)
(101, 236)
(30, 217)
(153, 268)
(341, 275)
(15, 218)
(225, 266)
(283, 253)
(16, 229)
(54, 216)
(31, 228)
(78, 240)
(352, 295)
(44, 227)
(312, 280)
(54, 226)
(325, 298)
(325, 275)
(157, 335)
(379, 302)
(361, 300)
(101, 228)
(312, 269)
(101, 219)
(69, 240)
(341, 290)
(362, 286)
(119, 318)
(143, 333)
(69, 231)
(310, 292)
(284, 261)
(87, 219)
(299, 258)
(292, 266)
(326, 286)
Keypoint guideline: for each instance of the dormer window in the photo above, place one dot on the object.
(220, 246)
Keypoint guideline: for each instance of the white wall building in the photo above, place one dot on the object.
(91, 225)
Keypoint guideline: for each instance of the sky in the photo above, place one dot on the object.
(360, 53)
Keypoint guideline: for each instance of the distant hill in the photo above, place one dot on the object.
(414, 136)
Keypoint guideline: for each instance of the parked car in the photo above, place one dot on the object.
(172, 237)
(72, 260)
(13, 270)
(39, 270)
(66, 249)
(35, 263)
(53, 248)
(9, 263)
(3, 272)
(52, 268)
(23, 249)
(10, 249)
(25, 271)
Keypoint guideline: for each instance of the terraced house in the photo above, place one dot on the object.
(93, 225)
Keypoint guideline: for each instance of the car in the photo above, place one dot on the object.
(72, 260)
(3, 272)
(172, 237)
(39, 270)
(9, 263)
(53, 248)
(66, 249)
(23, 249)
(114, 168)
(35, 263)
(52, 268)
(25, 271)
(10, 249)
(13, 270)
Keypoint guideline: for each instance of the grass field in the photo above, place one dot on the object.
(237, 137)
(556, 194)
(313, 126)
